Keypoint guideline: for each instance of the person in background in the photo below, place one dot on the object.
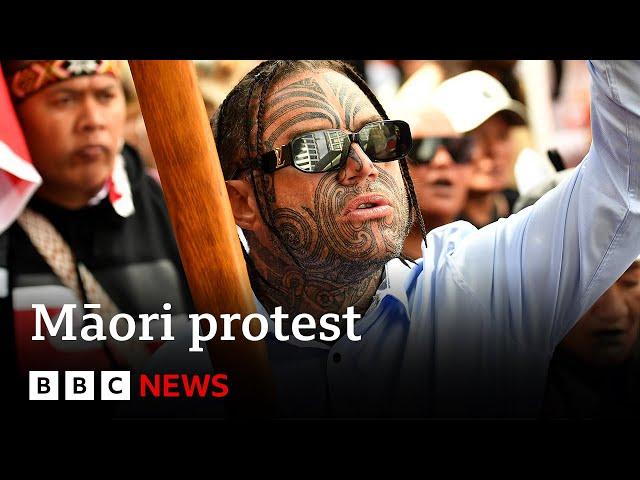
(478, 104)
(97, 229)
(438, 161)
(572, 112)
(215, 79)
(440, 170)
(595, 370)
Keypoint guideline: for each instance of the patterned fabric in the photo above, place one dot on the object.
(41, 74)
(18, 177)
(58, 256)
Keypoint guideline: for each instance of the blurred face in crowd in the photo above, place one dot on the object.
(606, 334)
(492, 155)
(74, 130)
(329, 221)
(441, 185)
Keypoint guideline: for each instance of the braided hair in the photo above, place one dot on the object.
(233, 123)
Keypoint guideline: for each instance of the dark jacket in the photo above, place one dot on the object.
(134, 258)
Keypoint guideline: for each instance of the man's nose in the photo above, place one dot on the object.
(357, 167)
(442, 158)
(611, 307)
(92, 115)
(481, 146)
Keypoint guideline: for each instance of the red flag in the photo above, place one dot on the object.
(18, 178)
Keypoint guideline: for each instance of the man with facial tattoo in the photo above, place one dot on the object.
(318, 183)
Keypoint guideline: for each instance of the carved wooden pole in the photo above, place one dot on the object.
(196, 196)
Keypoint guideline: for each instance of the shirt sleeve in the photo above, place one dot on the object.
(541, 269)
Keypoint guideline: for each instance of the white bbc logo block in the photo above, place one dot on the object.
(115, 385)
(78, 385)
(43, 385)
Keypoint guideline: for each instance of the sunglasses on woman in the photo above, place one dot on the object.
(424, 149)
(327, 150)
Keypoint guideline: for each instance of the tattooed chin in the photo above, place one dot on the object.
(366, 222)
(332, 241)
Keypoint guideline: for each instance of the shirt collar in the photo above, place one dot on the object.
(393, 285)
(118, 189)
(292, 340)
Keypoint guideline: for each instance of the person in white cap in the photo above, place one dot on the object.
(477, 103)
(439, 161)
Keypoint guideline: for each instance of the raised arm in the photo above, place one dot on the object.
(541, 269)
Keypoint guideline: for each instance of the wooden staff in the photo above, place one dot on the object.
(196, 196)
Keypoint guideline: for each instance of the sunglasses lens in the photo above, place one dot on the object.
(459, 148)
(424, 149)
(385, 141)
(325, 150)
(319, 151)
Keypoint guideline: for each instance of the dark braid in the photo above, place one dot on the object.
(364, 88)
(270, 221)
(260, 117)
(247, 127)
(264, 90)
(261, 196)
(261, 204)
(414, 207)
(406, 176)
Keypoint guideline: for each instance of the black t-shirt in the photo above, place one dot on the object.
(576, 390)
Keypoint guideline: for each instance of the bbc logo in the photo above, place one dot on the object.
(79, 385)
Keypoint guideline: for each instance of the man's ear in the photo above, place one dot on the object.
(243, 204)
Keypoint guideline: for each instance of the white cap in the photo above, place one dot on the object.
(471, 98)
(412, 103)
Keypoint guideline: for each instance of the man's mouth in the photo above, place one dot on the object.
(495, 172)
(441, 187)
(442, 182)
(92, 151)
(369, 206)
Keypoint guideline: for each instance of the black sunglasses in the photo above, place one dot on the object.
(424, 149)
(327, 150)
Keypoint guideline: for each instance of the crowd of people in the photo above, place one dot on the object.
(491, 255)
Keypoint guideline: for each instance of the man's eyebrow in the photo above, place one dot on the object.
(289, 126)
(371, 119)
(298, 131)
(64, 90)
